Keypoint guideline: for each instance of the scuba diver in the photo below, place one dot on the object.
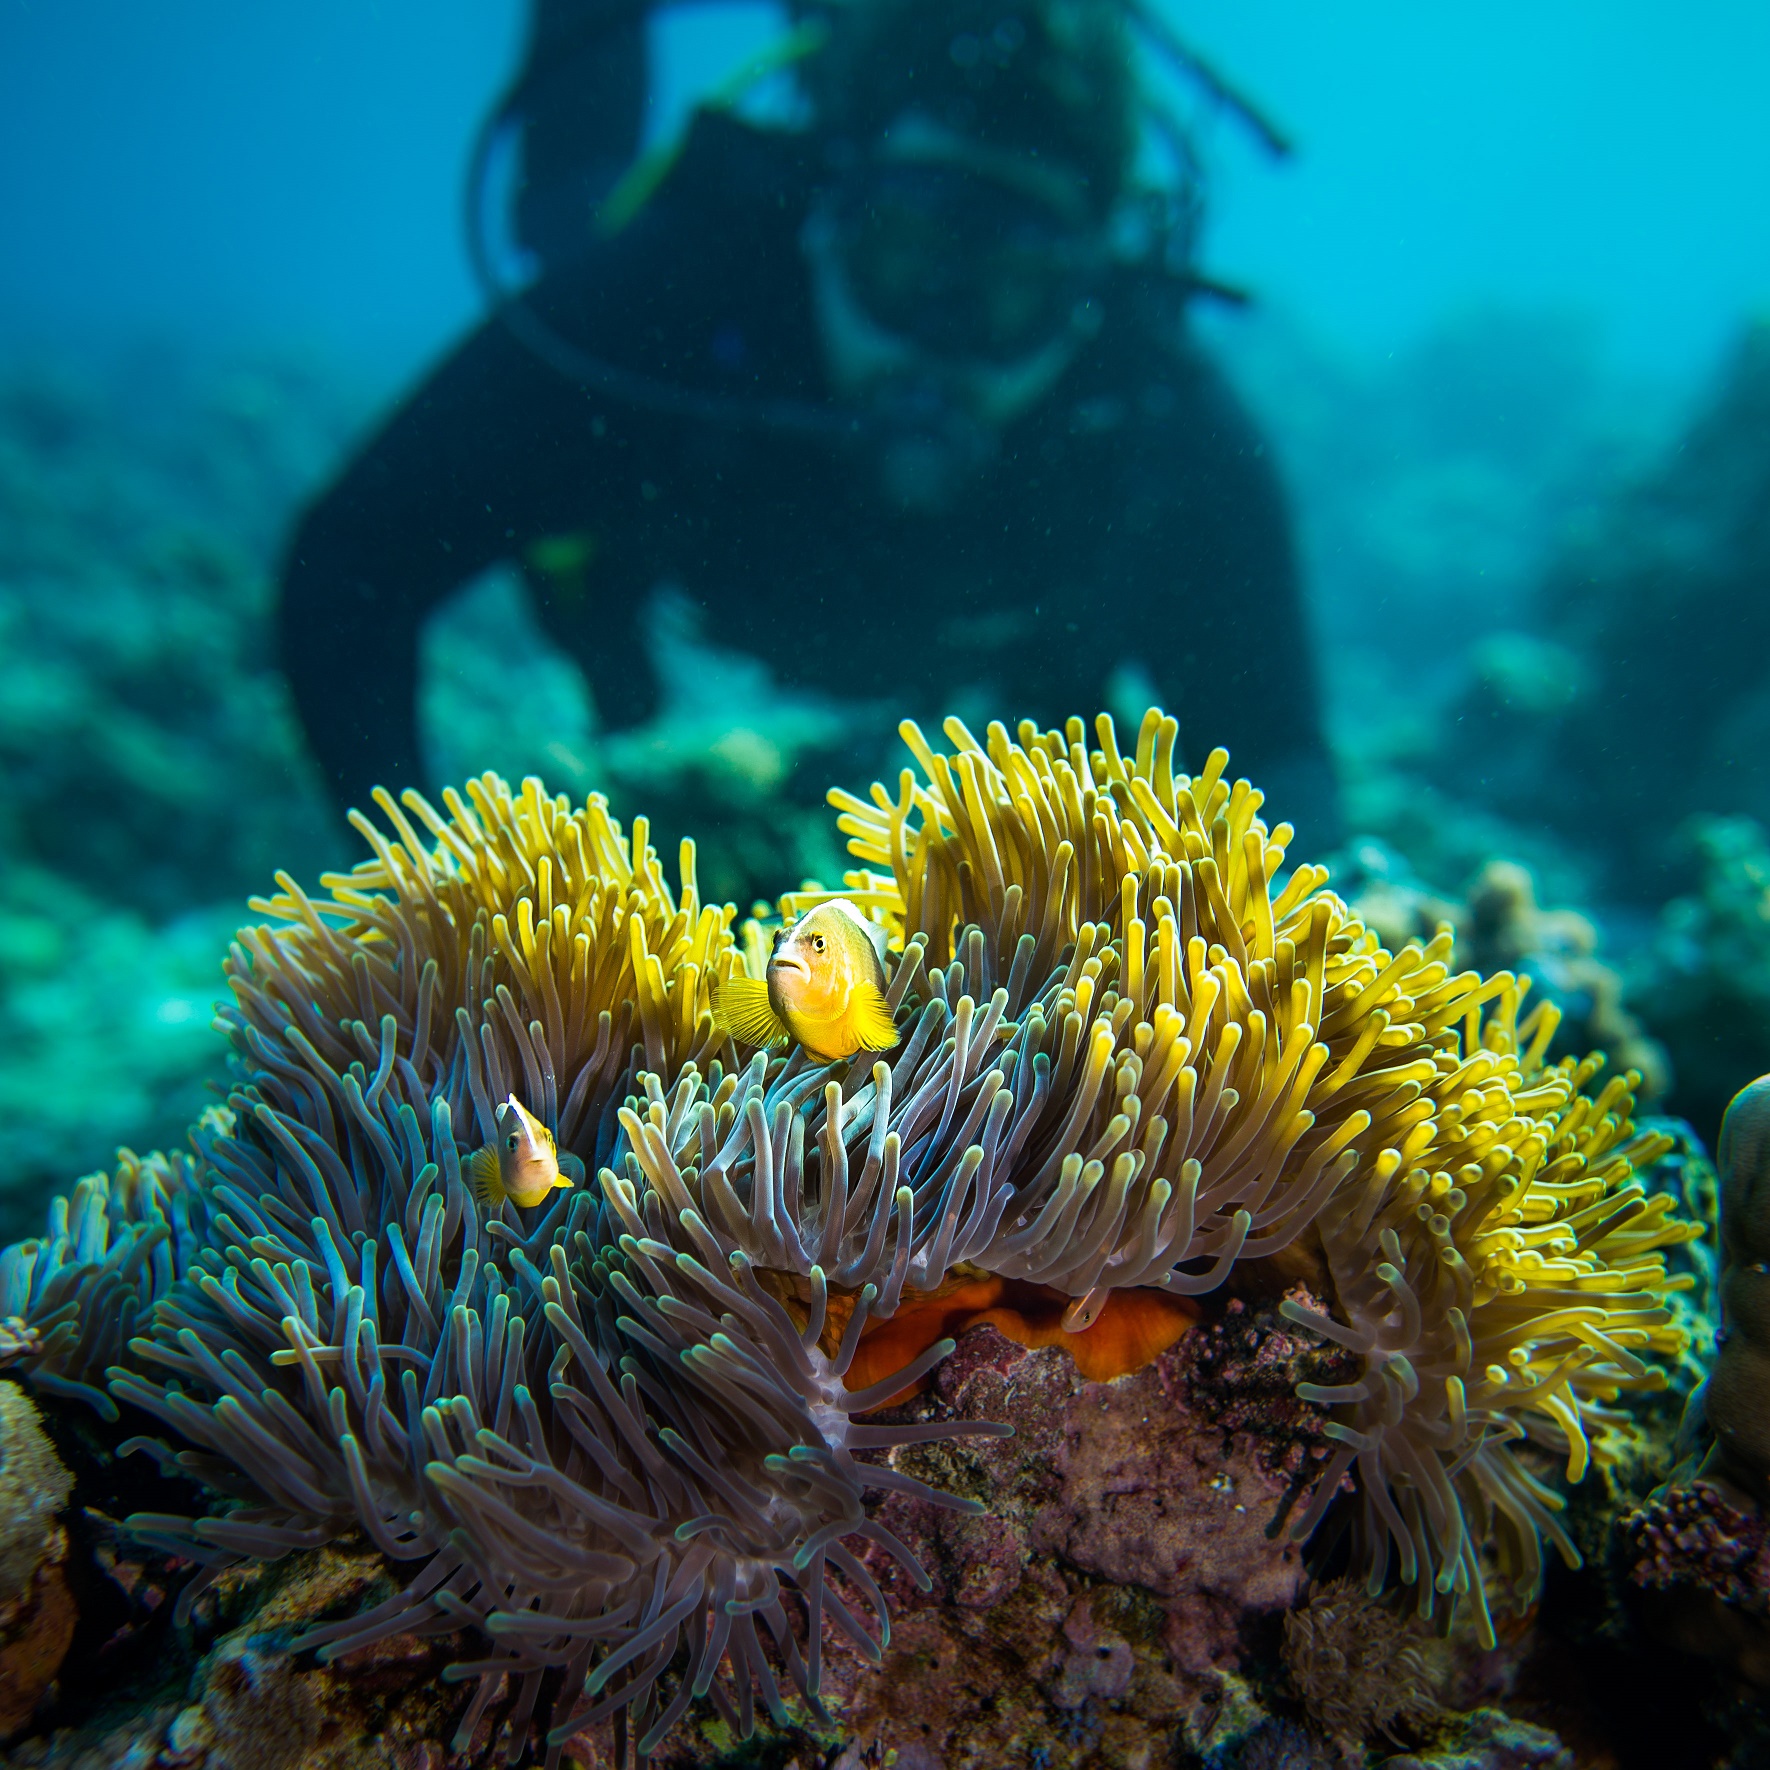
(904, 398)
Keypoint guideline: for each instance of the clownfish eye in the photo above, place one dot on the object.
(817, 943)
(513, 1141)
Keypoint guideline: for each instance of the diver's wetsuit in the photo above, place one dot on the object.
(1133, 514)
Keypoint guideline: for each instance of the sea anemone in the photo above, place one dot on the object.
(587, 1455)
(1358, 1667)
(1489, 1255)
(617, 1432)
(70, 1299)
(1185, 1115)
(1501, 1283)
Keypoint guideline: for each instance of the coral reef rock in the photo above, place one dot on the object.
(1118, 1574)
(1696, 1554)
(1490, 1740)
(253, 1703)
(1736, 1398)
(36, 1608)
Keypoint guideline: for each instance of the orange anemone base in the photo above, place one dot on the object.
(1133, 1327)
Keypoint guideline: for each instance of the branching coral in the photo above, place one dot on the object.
(1690, 1536)
(617, 1432)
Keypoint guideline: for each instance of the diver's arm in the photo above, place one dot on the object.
(501, 450)
(459, 478)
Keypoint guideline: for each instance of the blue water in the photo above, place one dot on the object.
(201, 169)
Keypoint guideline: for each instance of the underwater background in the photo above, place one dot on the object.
(1514, 268)
(1507, 340)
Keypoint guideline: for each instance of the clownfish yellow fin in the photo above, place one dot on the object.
(741, 1007)
(483, 1178)
(870, 1016)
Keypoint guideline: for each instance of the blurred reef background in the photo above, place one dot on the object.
(1474, 602)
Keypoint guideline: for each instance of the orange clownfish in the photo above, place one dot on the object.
(825, 988)
(521, 1163)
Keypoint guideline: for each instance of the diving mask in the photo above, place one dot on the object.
(965, 254)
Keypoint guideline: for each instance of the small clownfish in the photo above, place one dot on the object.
(825, 988)
(521, 1163)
